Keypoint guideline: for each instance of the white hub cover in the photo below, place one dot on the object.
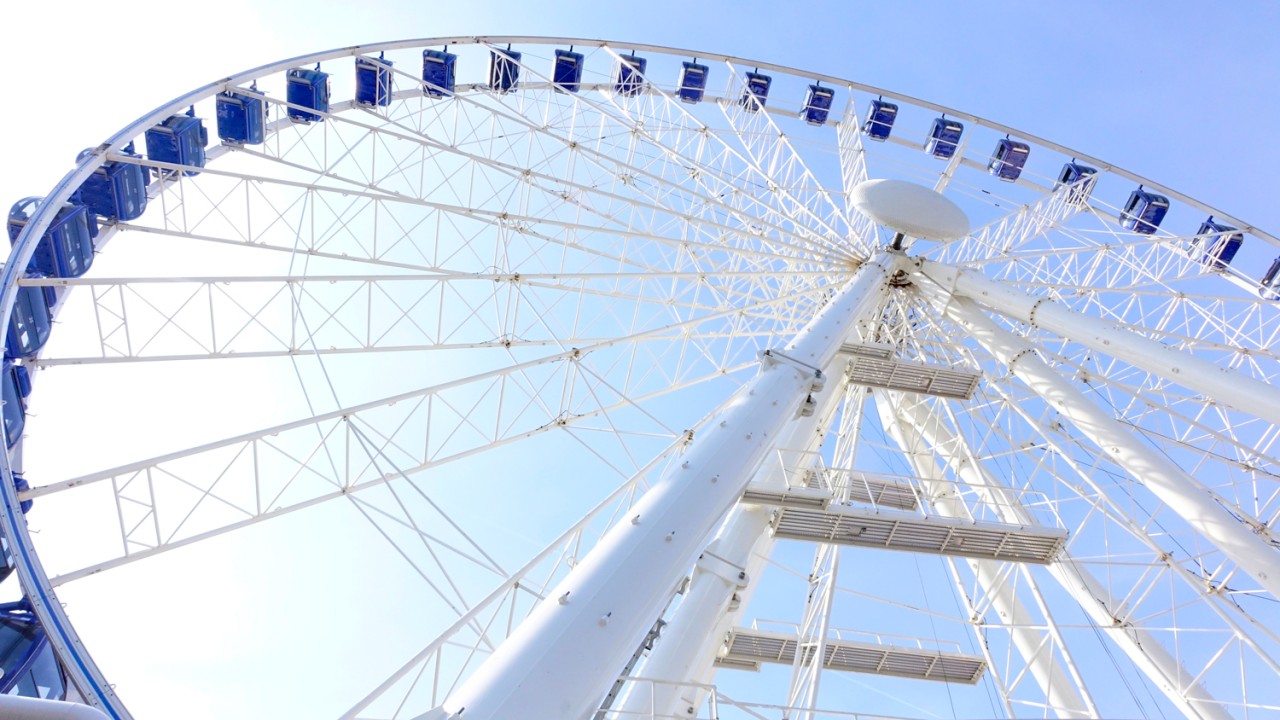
(911, 209)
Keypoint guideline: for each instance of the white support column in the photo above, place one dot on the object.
(811, 643)
(1181, 492)
(611, 599)
(1220, 384)
(723, 576)
(1142, 647)
(916, 429)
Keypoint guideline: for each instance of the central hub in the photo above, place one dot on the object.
(910, 210)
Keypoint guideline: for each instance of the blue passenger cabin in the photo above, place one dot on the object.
(438, 73)
(242, 118)
(1269, 288)
(179, 140)
(693, 82)
(66, 249)
(817, 105)
(566, 73)
(630, 79)
(116, 190)
(30, 667)
(1080, 176)
(504, 70)
(1143, 211)
(756, 91)
(373, 81)
(15, 386)
(1218, 242)
(31, 320)
(308, 94)
(1008, 159)
(880, 119)
(944, 137)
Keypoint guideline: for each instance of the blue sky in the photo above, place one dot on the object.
(1182, 92)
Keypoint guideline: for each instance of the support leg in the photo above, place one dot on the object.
(611, 599)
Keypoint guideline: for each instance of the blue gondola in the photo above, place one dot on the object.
(1269, 288)
(438, 73)
(944, 137)
(756, 92)
(31, 320)
(1008, 159)
(242, 118)
(1081, 176)
(630, 78)
(693, 82)
(504, 70)
(66, 249)
(566, 73)
(15, 386)
(1219, 242)
(373, 81)
(308, 94)
(817, 104)
(1144, 211)
(116, 190)
(179, 140)
(30, 667)
(880, 119)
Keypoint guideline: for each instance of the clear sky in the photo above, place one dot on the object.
(1183, 92)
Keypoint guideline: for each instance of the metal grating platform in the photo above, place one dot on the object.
(851, 525)
(913, 377)
(880, 351)
(746, 649)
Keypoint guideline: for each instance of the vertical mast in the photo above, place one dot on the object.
(562, 660)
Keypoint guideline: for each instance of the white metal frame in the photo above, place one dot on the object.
(662, 165)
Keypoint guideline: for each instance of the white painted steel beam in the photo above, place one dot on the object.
(611, 599)
(1175, 487)
(1180, 492)
(687, 650)
(1214, 382)
(916, 431)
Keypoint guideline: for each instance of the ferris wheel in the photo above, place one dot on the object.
(538, 377)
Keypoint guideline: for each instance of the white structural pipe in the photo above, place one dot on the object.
(916, 429)
(14, 707)
(563, 658)
(1218, 383)
(687, 649)
(1143, 648)
(1168, 482)
(1182, 493)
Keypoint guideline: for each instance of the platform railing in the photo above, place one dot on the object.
(719, 706)
(808, 472)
